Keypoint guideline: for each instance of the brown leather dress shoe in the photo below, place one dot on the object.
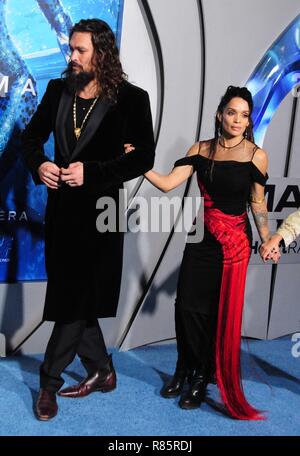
(103, 380)
(46, 406)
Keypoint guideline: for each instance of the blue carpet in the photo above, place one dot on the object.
(271, 382)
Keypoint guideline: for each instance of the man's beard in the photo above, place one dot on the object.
(77, 81)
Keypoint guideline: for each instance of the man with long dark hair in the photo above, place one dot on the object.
(92, 111)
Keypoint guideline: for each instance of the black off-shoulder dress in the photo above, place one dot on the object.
(211, 285)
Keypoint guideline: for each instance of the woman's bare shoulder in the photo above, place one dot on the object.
(200, 148)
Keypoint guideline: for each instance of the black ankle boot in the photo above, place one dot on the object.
(212, 378)
(174, 387)
(195, 395)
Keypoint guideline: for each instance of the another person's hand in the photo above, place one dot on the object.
(270, 250)
(128, 148)
(73, 175)
(49, 174)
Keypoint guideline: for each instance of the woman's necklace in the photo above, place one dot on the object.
(230, 147)
(77, 130)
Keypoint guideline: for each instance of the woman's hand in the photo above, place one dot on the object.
(128, 148)
(270, 250)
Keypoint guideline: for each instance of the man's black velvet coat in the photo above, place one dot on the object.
(84, 266)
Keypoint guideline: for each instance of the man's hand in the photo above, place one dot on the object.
(270, 250)
(73, 175)
(49, 173)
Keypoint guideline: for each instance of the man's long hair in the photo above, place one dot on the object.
(108, 68)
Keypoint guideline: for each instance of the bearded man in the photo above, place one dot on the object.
(93, 112)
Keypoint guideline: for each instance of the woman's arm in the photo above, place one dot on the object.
(177, 176)
(257, 199)
(260, 211)
(167, 183)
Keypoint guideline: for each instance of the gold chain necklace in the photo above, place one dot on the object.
(77, 130)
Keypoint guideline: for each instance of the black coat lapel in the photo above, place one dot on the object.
(92, 124)
(65, 106)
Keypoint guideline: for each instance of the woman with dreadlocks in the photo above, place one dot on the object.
(231, 171)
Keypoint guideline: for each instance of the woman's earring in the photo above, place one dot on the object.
(246, 133)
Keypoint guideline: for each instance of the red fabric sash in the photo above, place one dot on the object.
(229, 230)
